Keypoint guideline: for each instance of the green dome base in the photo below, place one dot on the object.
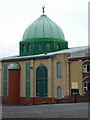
(47, 45)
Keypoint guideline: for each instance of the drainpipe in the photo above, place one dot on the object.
(32, 67)
(69, 79)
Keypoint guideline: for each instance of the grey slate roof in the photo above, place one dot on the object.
(73, 52)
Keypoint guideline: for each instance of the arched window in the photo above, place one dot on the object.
(23, 48)
(39, 47)
(58, 46)
(48, 47)
(28, 47)
(58, 69)
(41, 81)
(59, 92)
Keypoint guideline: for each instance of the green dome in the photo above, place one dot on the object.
(14, 66)
(43, 27)
(42, 36)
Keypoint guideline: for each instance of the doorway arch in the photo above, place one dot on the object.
(41, 81)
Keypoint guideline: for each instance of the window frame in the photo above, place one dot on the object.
(39, 47)
(58, 46)
(23, 48)
(48, 47)
(59, 70)
(28, 47)
(85, 68)
(86, 86)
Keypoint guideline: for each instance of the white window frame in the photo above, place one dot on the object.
(85, 68)
(86, 87)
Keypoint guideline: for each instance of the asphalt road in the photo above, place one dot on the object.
(75, 110)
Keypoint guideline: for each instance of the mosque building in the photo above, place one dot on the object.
(46, 69)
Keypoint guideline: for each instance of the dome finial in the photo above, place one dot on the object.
(43, 7)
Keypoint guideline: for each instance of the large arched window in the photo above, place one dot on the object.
(23, 48)
(41, 81)
(58, 69)
(47, 47)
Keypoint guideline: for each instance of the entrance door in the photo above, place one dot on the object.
(59, 92)
(14, 83)
(41, 81)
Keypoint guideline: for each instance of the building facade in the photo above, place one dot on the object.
(45, 70)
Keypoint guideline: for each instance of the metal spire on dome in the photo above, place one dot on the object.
(43, 7)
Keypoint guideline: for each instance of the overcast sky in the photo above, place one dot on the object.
(16, 15)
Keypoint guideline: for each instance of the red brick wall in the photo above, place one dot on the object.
(32, 100)
(35, 100)
(78, 98)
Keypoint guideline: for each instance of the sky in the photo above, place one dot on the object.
(16, 15)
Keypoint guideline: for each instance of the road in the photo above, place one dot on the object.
(74, 110)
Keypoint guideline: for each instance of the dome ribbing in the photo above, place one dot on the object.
(43, 27)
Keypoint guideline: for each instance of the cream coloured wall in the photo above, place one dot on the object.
(62, 81)
(76, 74)
(33, 66)
(53, 81)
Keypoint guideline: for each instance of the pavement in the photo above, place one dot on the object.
(73, 110)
